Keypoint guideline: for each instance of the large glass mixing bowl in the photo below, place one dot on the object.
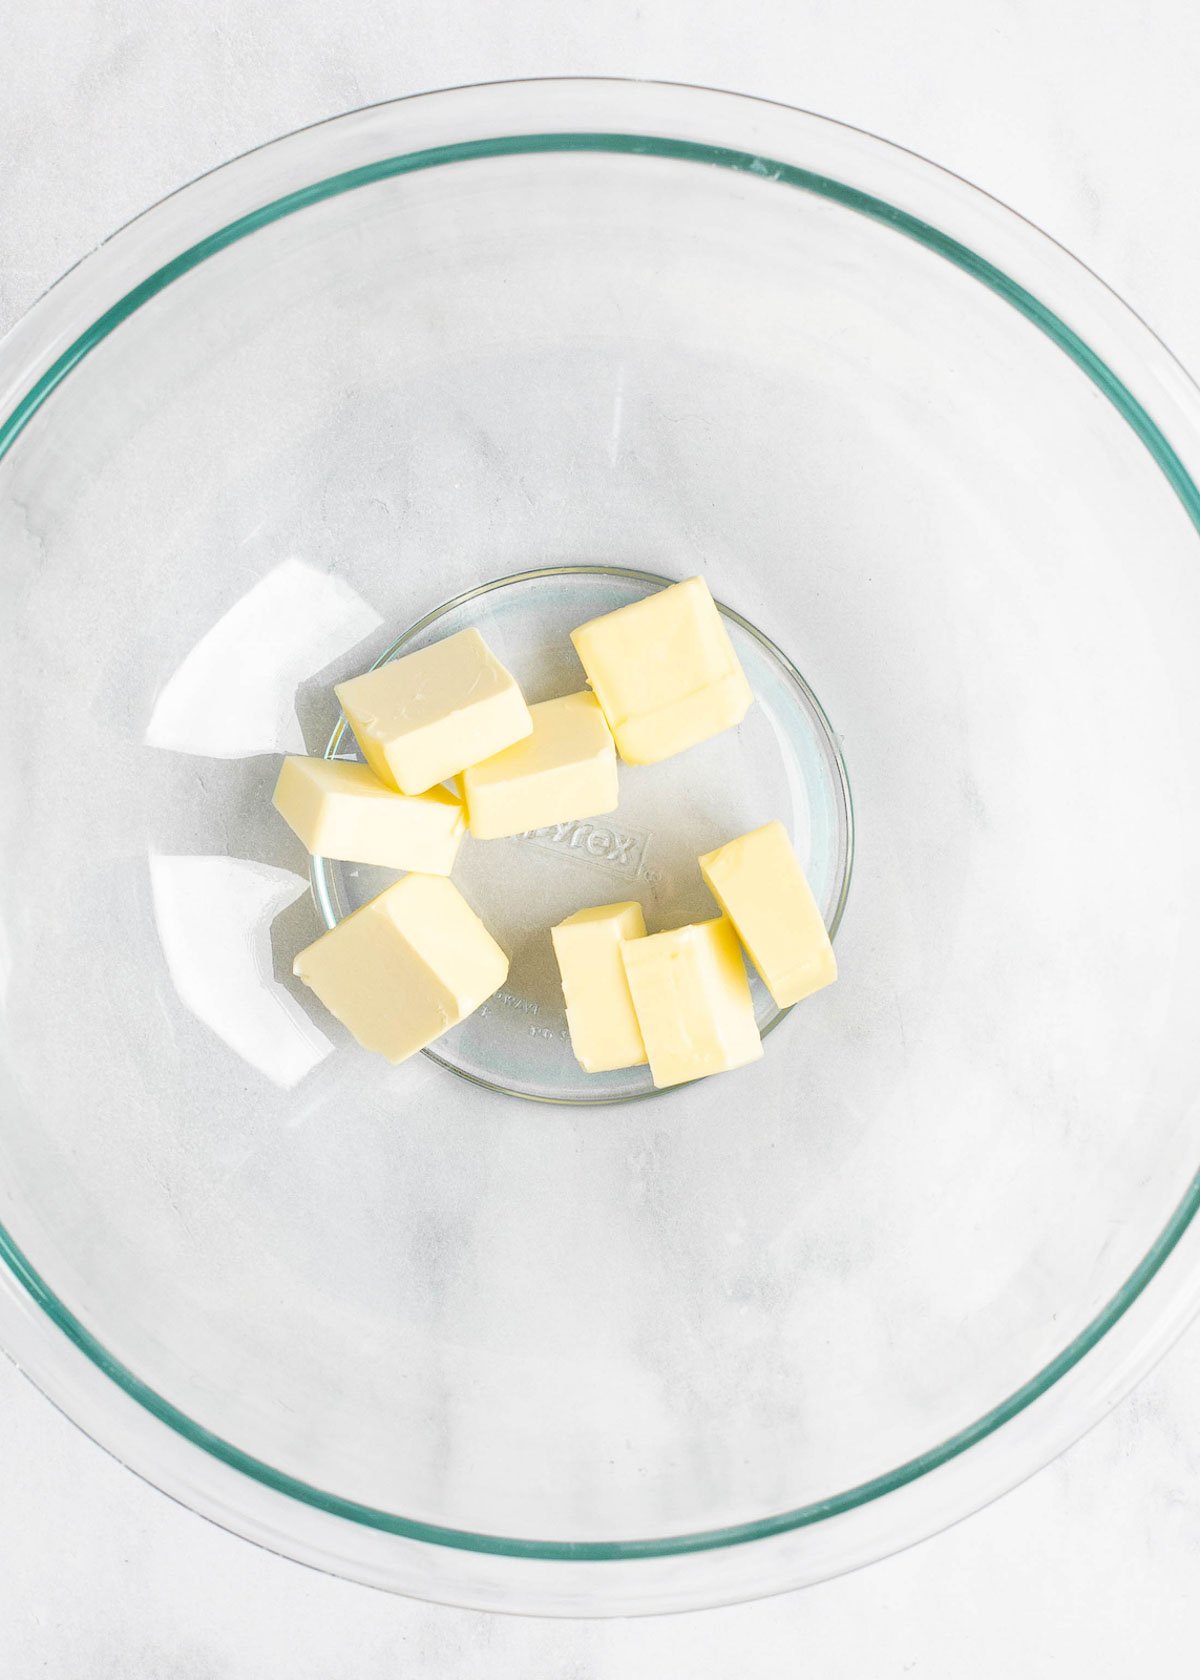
(547, 1356)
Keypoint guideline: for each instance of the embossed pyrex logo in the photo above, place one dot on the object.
(621, 849)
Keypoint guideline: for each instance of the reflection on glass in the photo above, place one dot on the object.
(214, 918)
(234, 694)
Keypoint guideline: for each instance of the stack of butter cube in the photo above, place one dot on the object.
(451, 747)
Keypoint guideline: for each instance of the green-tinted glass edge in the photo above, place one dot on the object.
(1177, 476)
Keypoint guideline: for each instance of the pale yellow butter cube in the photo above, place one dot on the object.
(408, 966)
(566, 769)
(600, 1015)
(424, 717)
(342, 810)
(664, 671)
(692, 1000)
(759, 884)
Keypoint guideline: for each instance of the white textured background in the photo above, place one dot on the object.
(1083, 114)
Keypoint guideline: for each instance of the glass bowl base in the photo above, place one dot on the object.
(782, 762)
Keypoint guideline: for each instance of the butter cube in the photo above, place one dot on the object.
(600, 1016)
(422, 718)
(759, 884)
(342, 810)
(664, 671)
(408, 966)
(566, 769)
(692, 1000)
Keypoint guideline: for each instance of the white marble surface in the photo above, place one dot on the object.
(1080, 113)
